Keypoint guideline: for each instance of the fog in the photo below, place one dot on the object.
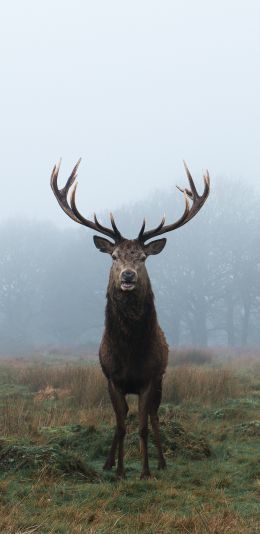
(132, 88)
(206, 281)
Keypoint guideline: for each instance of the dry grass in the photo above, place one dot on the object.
(191, 356)
(240, 358)
(107, 517)
(23, 417)
(207, 385)
(215, 494)
(86, 386)
(56, 395)
(78, 394)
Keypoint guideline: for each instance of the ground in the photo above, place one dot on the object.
(56, 427)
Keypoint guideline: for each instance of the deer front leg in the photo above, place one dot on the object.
(120, 408)
(111, 459)
(156, 397)
(143, 405)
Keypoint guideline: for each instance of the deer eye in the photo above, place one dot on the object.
(114, 257)
(143, 258)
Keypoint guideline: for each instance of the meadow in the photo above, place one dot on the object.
(56, 425)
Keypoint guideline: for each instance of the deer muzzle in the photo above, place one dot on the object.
(128, 279)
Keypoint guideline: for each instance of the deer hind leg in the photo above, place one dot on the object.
(143, 406)
(155, 403)
(120, 408)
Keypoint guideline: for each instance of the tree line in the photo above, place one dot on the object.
(206, 282)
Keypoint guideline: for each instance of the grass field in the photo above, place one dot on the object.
(56, 426)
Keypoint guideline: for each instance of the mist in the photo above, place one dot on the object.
(206, 281)
(132, 89)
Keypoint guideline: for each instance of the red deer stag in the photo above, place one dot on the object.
(133, 352)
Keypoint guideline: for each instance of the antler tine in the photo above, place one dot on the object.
(115, 231)
(185, 190)
(189, 212)
(141, 231)
(206, 178)
(71, 178)
(61, 194)
(143, 236)
(93, 225)
(54, 175)
(114, 226)
(192, 185)
(71, 209)
(97, 222)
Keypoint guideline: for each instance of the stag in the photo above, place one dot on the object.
(133, 352)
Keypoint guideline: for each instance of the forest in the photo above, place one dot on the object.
(206, 282)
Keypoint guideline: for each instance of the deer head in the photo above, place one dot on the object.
(128, 269)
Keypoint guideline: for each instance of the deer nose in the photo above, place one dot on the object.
(128, 276)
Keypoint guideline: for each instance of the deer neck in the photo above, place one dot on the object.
(130, 312)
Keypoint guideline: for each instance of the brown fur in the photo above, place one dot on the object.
(133, 352)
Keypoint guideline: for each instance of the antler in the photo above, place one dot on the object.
(189, 212)
(71, 209)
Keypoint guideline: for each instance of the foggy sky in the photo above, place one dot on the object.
(132, 88)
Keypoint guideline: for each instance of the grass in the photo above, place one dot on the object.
(56, 426)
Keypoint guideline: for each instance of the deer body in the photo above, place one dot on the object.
(133, 352)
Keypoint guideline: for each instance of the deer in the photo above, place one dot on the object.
(133, 352)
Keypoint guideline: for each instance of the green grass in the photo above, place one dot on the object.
(51, 477)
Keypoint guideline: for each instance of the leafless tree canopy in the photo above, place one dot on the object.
(53, 281)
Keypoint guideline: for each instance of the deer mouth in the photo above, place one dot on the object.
(127, 286)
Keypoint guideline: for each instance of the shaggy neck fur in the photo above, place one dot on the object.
(130, 314)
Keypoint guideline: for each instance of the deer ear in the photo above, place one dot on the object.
(155, 247)
(103, 244)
